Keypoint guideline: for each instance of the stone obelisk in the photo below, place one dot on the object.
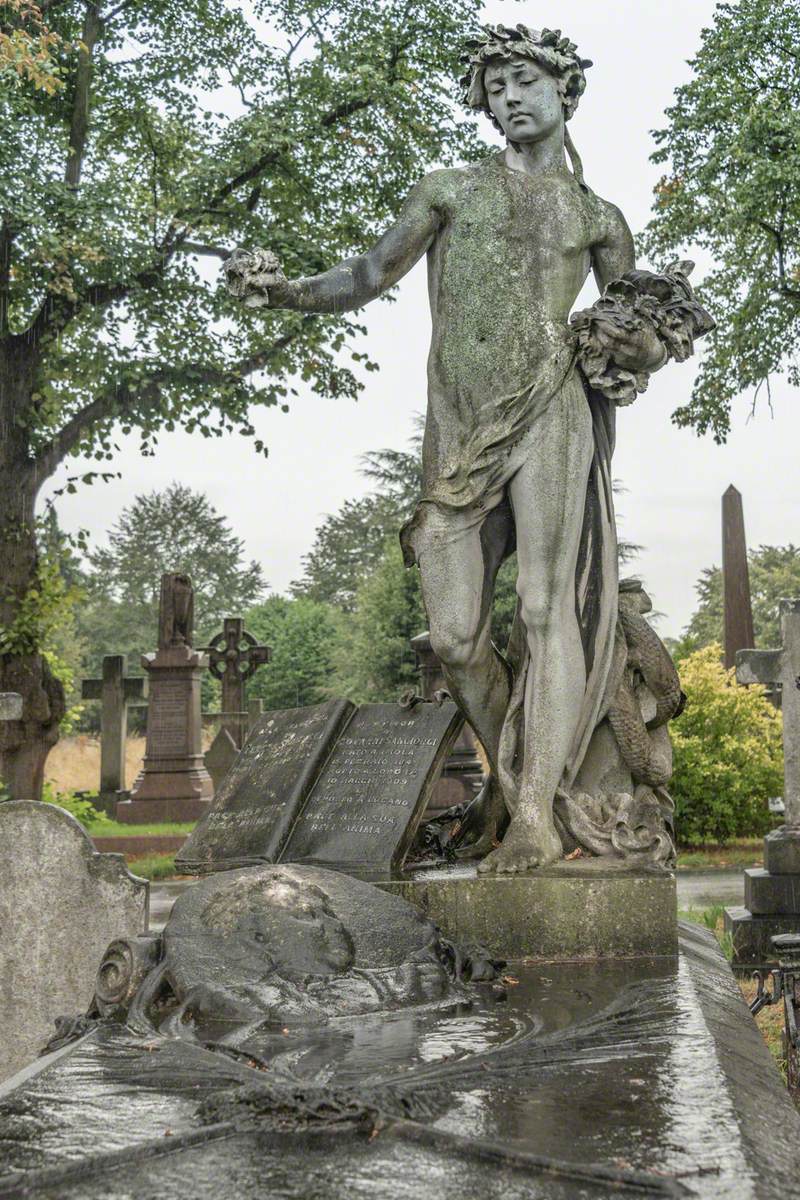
(735, 578)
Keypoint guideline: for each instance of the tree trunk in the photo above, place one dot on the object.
(24, 744)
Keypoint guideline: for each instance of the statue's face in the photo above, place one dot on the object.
(524, 99)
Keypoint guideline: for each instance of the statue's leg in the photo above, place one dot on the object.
(459, 554)
(548, 495)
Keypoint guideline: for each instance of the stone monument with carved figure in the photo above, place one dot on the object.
(174, 784)
(522, 401)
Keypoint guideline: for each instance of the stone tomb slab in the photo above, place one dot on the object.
(584, 1081)
(61, 903)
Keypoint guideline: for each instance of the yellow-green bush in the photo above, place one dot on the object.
(728, 754)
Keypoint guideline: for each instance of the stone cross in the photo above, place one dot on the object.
(735, 577)
(115, 690)
(782, 666)
(233, 657)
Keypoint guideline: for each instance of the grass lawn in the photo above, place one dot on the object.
(154, 866)
(106, 827)
(746, 853)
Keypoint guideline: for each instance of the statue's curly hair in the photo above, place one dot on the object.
(547, 47)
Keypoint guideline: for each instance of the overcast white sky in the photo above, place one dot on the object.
(674, 479)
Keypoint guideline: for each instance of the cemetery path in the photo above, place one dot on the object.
(696, 889)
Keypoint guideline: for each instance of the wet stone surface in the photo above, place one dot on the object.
(576, 1081)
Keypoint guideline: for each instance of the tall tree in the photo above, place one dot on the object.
(301, 636)
(732, 186)
(173, 530)
(774, 573)
(115, 186)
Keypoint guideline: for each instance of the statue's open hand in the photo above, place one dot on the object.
(249, 274)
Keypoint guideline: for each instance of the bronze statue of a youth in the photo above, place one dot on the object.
(517, 444)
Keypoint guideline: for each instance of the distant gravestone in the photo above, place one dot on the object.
(234, 656)
(772, 893)
(174, 784)
(115, 690)
(221, 754)
(61, 903)
(330, 784)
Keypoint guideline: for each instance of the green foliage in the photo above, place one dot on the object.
(373, 658)
(774, 574)
(184, 130)
(732, 186)
(728, 754)
(80, 807)
(301, 636)
(173, 530)
(153, 866)
(349, 544)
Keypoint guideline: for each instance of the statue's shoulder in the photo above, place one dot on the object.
(609, 217)
(446, 185)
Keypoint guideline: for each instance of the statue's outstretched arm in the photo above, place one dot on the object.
(256, 276)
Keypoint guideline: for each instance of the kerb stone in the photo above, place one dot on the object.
(570, 911)
(61, 903)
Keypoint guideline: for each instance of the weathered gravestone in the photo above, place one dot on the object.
(331, 784)
(116, 691)
(61, 903)
(174, 784)
(735, 578)
(234, 656)
(772, 893)
(222, 753)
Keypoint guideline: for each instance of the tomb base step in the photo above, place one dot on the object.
(169, 808)
(771, 895)
(750, 934)
(582, 910)
(782, 851)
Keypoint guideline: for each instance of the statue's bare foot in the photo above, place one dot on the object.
(524, 848)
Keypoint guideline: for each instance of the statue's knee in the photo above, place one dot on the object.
(541, 608)
(456, 649)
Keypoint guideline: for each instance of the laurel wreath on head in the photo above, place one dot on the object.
(555, 53)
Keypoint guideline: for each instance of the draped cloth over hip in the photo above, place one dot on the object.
(482, 478)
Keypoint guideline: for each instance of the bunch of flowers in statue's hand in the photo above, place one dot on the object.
(641, 321)
(249, 274)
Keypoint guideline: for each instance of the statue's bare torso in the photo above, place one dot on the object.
(510, 254)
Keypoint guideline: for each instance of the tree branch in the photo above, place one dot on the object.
(6, 242)
(123, 399)
(79, 123)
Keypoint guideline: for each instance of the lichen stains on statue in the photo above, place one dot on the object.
(518, 441)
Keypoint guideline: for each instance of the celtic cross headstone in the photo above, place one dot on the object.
(233, 657)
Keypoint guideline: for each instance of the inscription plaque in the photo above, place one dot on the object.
(365, 808)
(259, 799)
(329, 784)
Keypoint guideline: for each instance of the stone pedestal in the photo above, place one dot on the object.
(174, 784)
(581, 910)
(771, 900)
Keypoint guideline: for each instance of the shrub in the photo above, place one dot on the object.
(80, 807)
(728, 754)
